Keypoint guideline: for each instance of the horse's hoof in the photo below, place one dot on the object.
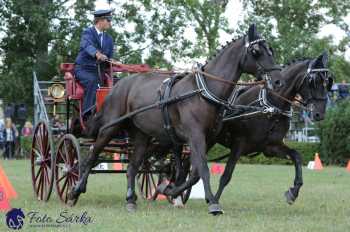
(215, 209)
(290, 198)
(71, 202)
(178, 202)
(131, 207)
(162, 188)
(72, 198)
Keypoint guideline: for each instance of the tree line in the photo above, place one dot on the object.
(40, 34)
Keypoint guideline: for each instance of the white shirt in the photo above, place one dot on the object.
(100, 32)
(9, 135)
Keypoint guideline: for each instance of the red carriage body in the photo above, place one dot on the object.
(75, 91)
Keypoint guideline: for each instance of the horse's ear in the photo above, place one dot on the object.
(325, 59)
(321, 61)
(252, 32)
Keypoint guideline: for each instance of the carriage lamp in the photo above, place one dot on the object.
(56, 91)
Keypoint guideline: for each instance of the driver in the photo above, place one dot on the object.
(96, 47)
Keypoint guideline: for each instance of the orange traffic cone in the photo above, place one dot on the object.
(318, 163)
(217, 168)
(117, 166)
(348, 166)
(161, 197)
(7, 186)
(4, 202)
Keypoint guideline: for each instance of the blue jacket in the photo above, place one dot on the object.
(90, 44)
(14, 136)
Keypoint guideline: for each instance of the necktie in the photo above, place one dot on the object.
(100, 36)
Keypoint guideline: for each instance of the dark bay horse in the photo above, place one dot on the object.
(309, 79)
(193, 119)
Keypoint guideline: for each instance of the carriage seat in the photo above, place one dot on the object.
(73, 88)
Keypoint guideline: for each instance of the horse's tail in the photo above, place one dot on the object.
(94, 124)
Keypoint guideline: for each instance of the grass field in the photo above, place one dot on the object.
(253, 201)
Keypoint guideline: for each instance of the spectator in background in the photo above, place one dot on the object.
(9, 110)
(27, 130)
(334, 93)
(10, 135)
(2, 127)
(343, 89)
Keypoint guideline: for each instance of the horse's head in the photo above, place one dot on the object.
(258, 59)
(315, 84)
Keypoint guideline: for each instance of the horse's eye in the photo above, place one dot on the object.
(255, 50)
(256, 53)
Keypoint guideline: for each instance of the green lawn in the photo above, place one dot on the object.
(253, 201)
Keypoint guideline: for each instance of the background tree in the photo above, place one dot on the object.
(292, 28)
(40, 34)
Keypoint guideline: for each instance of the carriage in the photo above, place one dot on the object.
(57, 149)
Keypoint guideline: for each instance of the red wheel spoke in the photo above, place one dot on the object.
(38, 142)
(62, 177)
(75, 175)
(37, 175)
(143, 182)
(71, 155)
(67, 189)
(61, 155)
(44, 184)
(66, 152)
(63, 186)
(147, 186)
(150, 188)
(47, 151)
(154, 184)
(47, 176)
(42, 137)
(39, 184)
(42, 180)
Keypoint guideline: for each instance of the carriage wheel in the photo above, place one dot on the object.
(66, 166)
(41, 156)
(147, 182)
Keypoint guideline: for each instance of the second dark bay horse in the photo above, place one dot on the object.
(265, 132)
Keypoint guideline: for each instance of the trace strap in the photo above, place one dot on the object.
(206, 93)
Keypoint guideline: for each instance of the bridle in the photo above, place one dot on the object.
(269, 108)
(309, 78)
(262, 71)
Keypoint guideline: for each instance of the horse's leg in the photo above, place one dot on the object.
(87, 164)
(135, 161)
(182, 170)
(180, 176)
(283, 151)
(175, 191)
(200, 166)
(229, 168)
(199, 161)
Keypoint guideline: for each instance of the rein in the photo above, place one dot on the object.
(220, 79)
(289, 101)
(196, 70)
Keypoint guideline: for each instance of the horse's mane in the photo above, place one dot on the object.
(220, 50)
